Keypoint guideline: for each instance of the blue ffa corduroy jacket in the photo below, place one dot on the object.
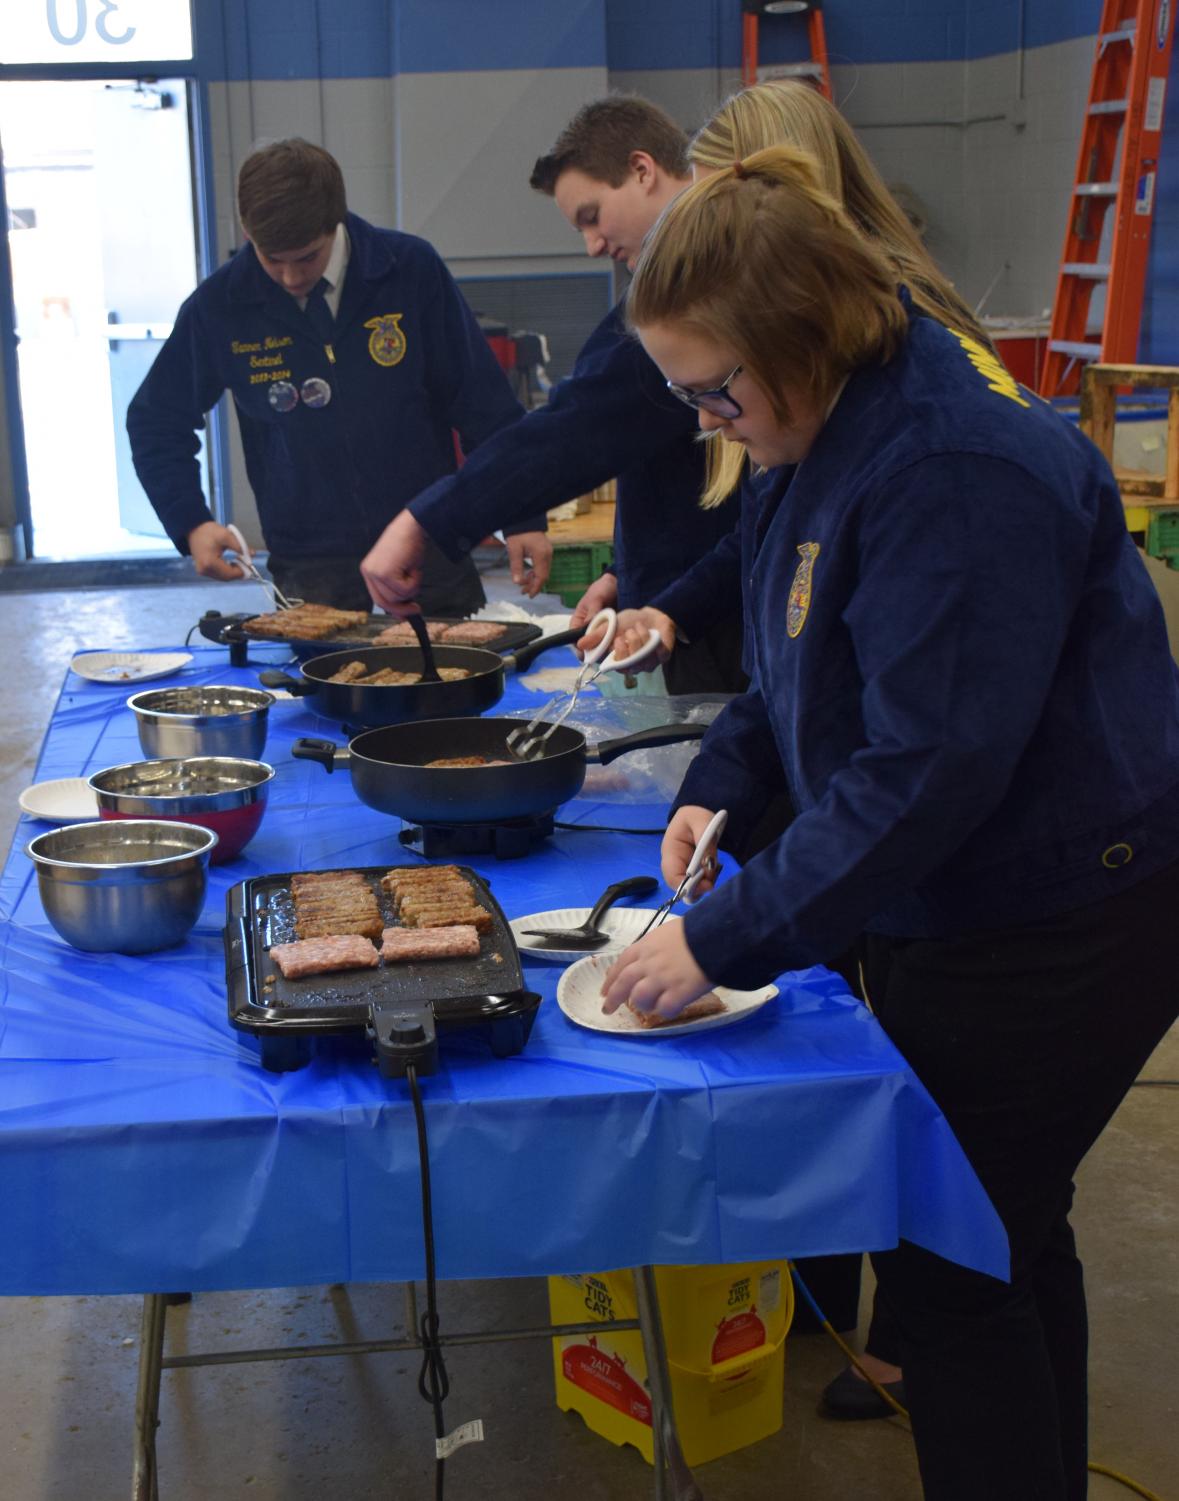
(613, 416)
(410, 364)
(716, 585)
(962, 677)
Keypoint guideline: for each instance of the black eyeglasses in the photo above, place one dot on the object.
(717, 401)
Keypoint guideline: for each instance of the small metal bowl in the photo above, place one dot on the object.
(217, 720)
(125, 887)
(222, 793)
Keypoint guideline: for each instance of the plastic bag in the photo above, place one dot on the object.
(643, 776)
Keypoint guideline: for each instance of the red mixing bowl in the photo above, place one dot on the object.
(221, 793)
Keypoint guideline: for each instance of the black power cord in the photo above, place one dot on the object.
(433, 1382)
(601, 828)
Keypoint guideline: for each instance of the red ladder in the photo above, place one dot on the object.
(1126, 96)
(816, 69)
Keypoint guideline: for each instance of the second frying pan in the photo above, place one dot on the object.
(389, 771)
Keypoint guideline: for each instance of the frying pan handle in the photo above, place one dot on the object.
(326, 752)
(662, 734)
(524, 655)
(297, 687)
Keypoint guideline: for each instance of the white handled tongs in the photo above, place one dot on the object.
(524, 742)
(244, 560)
(528, 745)
(703, 860)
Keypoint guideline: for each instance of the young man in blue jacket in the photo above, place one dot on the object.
(352, 360)
(613, 169)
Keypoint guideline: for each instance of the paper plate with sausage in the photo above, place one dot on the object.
(579, 995)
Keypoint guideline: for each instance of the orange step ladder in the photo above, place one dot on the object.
(1118, 165)
(816, 70)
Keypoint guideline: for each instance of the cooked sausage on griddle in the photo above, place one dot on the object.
(332, 926)
(450, 901)
(449, 914)
(472, 632)
(402, 634)
(332, 902)
(305, 623)
(314, 879)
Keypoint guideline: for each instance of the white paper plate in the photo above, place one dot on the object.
(128, 666)
(624, 924)
(579, 997)
(67, 800)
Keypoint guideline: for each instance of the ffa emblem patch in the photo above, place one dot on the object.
(386, 343)
(799, 603)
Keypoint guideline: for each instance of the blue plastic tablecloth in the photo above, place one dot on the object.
(144, 1148)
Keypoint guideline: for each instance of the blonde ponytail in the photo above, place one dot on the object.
(795, 114)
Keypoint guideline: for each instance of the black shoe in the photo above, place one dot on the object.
(853, 1400)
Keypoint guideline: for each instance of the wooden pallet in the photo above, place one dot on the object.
(1151, 500)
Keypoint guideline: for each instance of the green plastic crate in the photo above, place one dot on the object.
(1162, 537)
(575, 566)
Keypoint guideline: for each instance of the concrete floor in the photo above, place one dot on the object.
(354, 1429)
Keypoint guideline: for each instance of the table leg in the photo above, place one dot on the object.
(145, 1478)
(669, 1458)
(411, 1309)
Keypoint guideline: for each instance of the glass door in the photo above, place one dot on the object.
(98, 181)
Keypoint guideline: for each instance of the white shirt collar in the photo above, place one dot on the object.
(337, 264)
(333, 272)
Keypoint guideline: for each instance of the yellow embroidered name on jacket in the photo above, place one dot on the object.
(991, 369)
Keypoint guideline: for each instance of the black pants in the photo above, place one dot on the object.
(449, 590)
(711, 664)
(833, 1281)
(1027, 1038)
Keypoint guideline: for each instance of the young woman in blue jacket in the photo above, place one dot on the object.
(961, 675)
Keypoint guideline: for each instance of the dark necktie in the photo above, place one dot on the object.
(319, 315)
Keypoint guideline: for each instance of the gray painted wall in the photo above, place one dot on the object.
(993, 190)
(447, 156)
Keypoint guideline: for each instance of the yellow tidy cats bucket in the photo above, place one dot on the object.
(725, 1329)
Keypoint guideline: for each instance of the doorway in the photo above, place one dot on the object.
(98, 179)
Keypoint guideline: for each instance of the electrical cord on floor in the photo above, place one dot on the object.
(1155, 1084)
(824, 1322)
(433, 1382)
(601, 828)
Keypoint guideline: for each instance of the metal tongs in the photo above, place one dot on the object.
(525, 743)
(702, 863)
(245, 562)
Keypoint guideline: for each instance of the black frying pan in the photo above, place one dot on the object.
(354, 704)
(389, 771)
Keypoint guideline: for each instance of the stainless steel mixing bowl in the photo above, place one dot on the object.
(222, 793)
(216, 720)
(125, 886)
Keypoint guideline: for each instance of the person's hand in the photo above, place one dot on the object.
(656, 974)
(601, 594)
(206, 543)
(525, 548)
(679, 845)
(392, 571)
(634, 630)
